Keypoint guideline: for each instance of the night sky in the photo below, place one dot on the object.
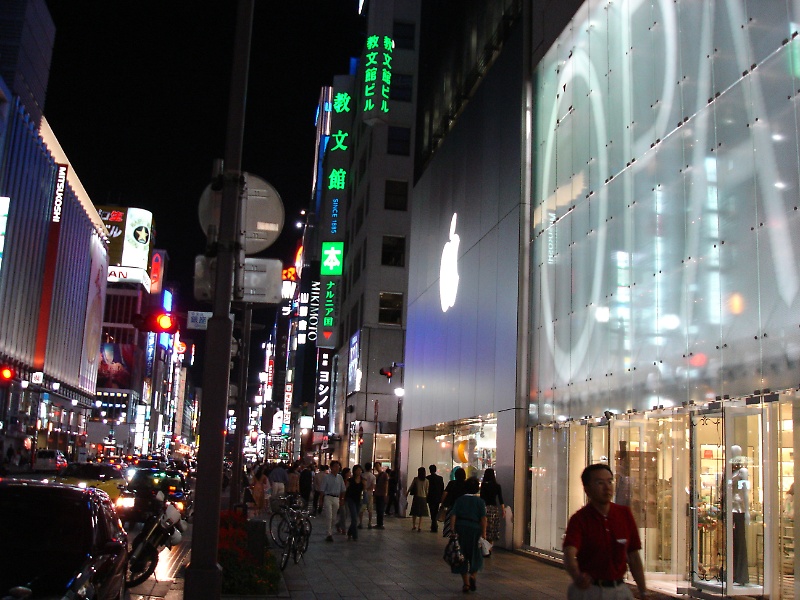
(138, 98)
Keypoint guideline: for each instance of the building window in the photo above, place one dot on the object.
(404, 34)
(390, 309)
(395, 196)
(393, 251)
(401, 87)
(399, 141)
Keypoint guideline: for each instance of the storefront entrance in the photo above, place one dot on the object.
(711, 488)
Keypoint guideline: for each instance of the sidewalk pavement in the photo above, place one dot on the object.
(398, 563)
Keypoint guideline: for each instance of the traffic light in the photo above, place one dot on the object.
(7, 375)
(159, 321)
(386, 373)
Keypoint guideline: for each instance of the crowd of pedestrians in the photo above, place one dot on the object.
(351, 499)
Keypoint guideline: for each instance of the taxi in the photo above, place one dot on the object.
(94, 475)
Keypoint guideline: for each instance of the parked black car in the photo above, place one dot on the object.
(61, 541)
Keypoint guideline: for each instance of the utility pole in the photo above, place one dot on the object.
(204, 575)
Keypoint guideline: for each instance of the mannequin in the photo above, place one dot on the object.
(740, 510)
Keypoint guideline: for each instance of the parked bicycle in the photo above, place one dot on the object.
(279, 521)
(297, 537)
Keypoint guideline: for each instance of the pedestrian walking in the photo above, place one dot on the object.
(468, 523)
(354, 497)
(278, 479)
(341, 519)
(492, 495)
(454, 490)
(333, 497)
(293, 481)
(380, 494)
(367, 503)
(319, 494)
(307, 485)
(258, 488)
(393, 498)
(601, 542)
(419, 506)
(435, 491)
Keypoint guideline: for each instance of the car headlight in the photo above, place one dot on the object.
(179, 505)
(126, 502)
(129, 474)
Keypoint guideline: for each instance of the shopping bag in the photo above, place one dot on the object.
(486, 546)
(452, 552)
(442, 514)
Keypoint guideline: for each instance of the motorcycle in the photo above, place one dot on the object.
(162, 529)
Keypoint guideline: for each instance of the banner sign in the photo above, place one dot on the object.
(323, 390)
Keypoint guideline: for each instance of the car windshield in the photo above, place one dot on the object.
(91, 471)
(146, 480)
(50, 533)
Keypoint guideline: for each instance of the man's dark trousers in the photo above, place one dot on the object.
(434, 508)
(380, 507)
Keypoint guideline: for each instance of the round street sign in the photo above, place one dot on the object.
(262, 213)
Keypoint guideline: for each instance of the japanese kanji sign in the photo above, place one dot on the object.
(332, 258)
(377, 77)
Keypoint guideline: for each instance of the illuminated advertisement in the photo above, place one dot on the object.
(157, 265)
(322, 403)
(50, 259)
(665, 225)
(332, 258)
(287, 403)
(5, 202)
(93, 324)
(353, 358)
(338, 156)
(116, 366)
(377, 78)
(129, 235)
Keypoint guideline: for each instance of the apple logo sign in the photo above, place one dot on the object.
(448, 269)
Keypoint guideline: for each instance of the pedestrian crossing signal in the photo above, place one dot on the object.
(386, 373)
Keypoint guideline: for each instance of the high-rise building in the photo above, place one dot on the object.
(27, 35)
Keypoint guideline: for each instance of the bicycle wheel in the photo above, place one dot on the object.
(279, 529)
(287, 549)
(305, 535)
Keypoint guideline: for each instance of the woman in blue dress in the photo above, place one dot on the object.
(468, 521)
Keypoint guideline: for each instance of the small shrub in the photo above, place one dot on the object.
(241, 572)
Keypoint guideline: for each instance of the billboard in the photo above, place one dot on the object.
(130, 235)
(116, 366)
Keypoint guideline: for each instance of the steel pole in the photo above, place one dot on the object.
(242, 407)
(203, 574)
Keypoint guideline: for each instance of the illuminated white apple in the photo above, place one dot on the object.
(448, 269)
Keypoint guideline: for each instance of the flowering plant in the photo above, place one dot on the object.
(243, 573)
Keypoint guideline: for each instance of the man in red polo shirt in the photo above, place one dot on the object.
(601, 542)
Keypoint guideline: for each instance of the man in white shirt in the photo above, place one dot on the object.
(333, 490)
(369, 488)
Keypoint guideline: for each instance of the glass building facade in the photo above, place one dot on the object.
(665, 288)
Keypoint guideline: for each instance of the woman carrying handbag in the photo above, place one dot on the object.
(419, 506)
(468, 523)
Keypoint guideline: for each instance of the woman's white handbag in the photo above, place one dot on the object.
(486, 546)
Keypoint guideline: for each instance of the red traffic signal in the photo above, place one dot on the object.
(7, 375)
(157, 321)
(386, 373)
